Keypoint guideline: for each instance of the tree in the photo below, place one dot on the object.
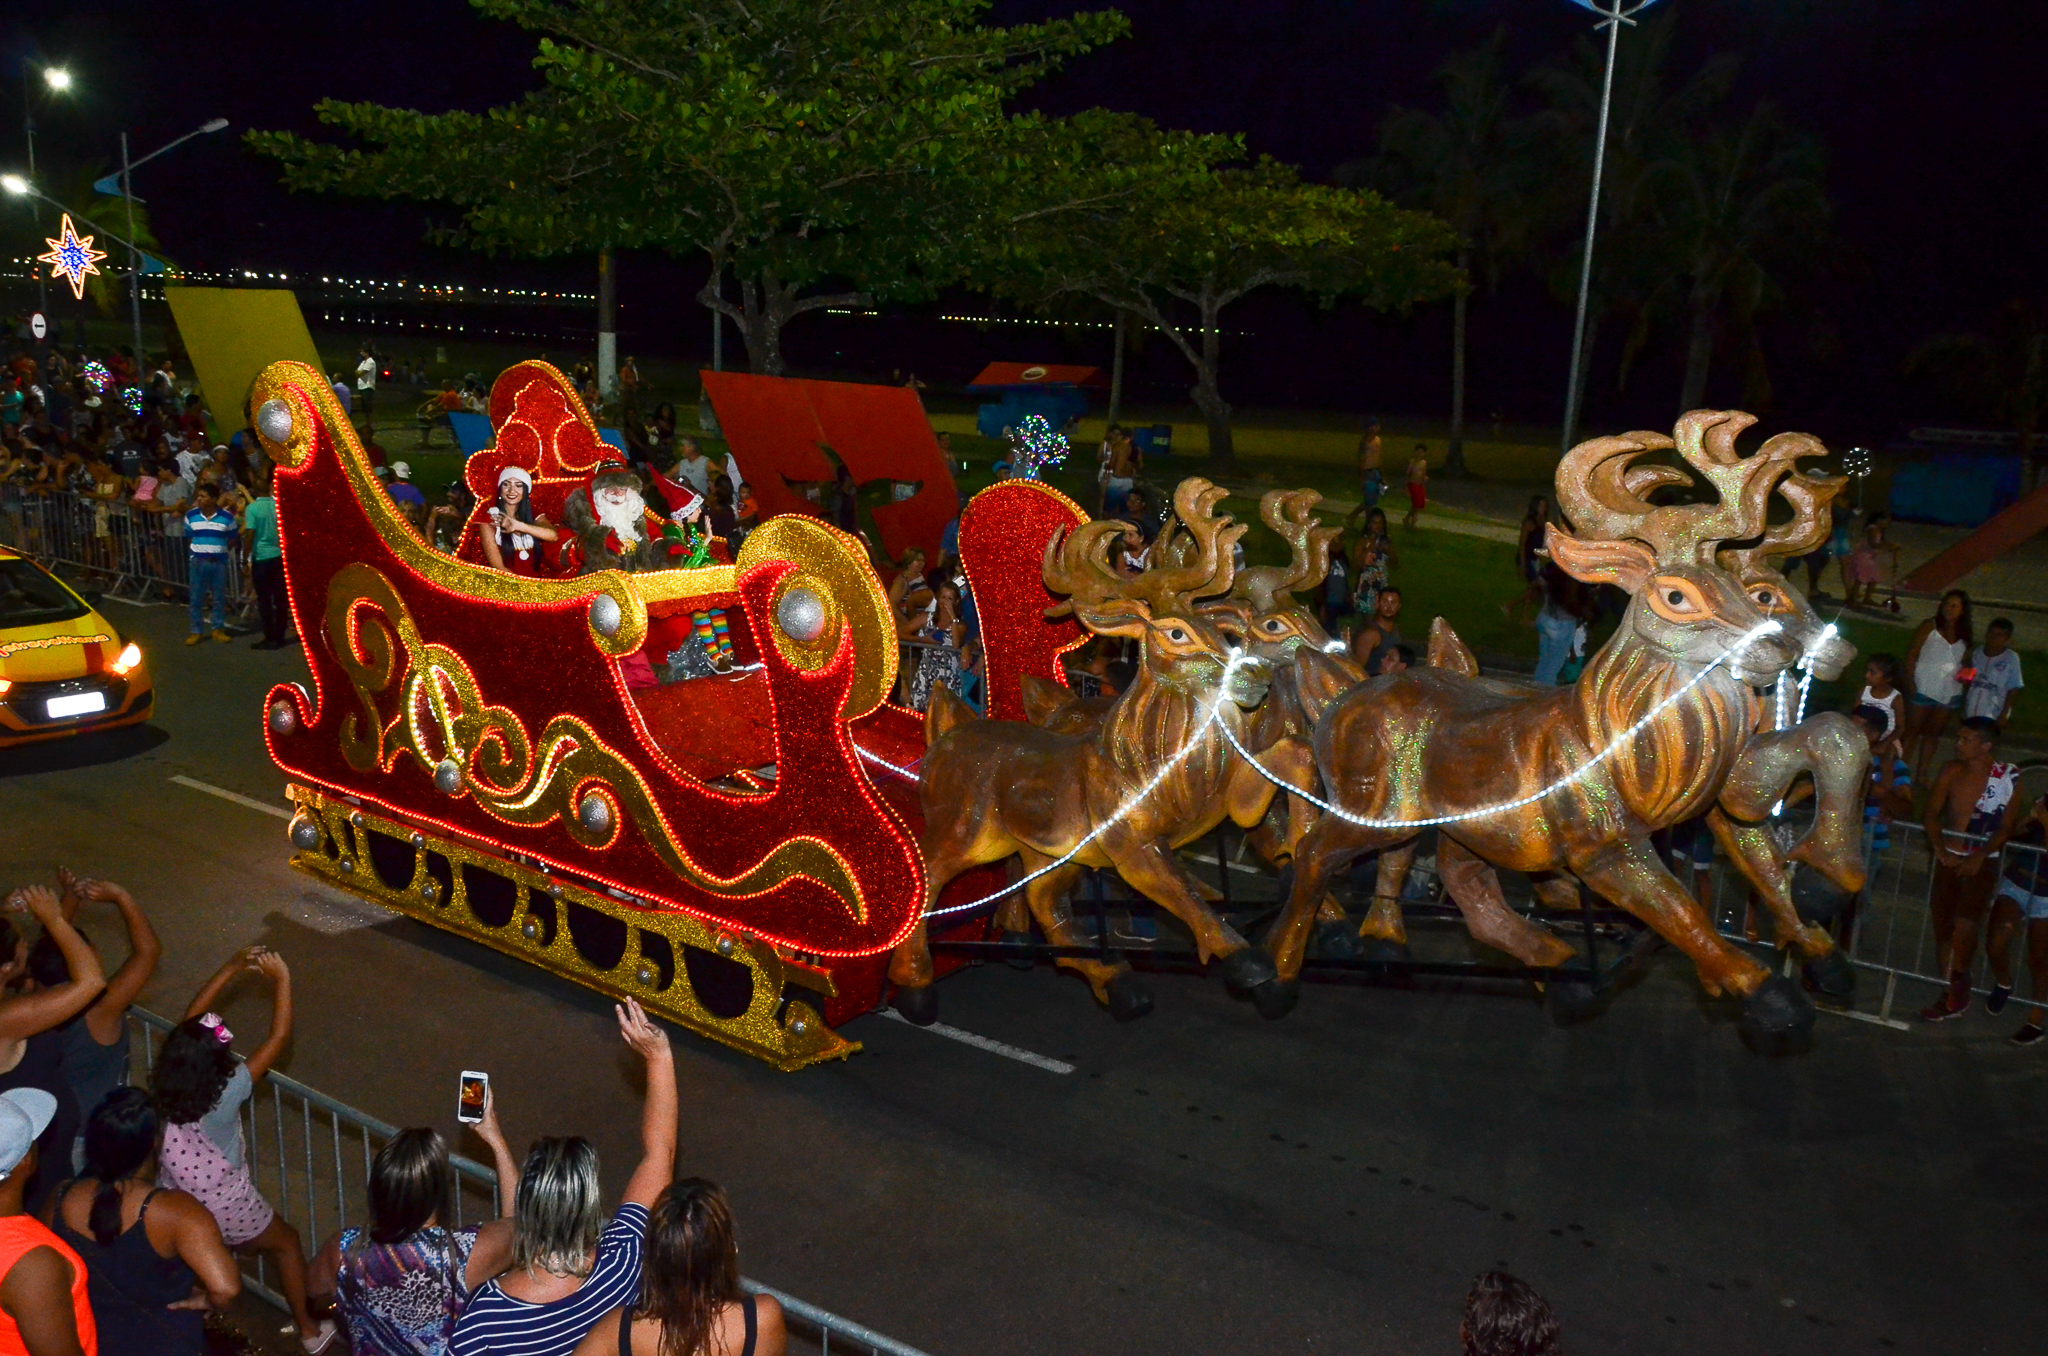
(1479, 167)
(823, 152)
(1737, 209)
(1650, 118)
(1178, 232)
(1998, 375)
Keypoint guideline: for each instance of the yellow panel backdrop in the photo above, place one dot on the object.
(233, 333)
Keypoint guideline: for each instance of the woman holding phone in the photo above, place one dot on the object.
(569, 1267)
(400, 1282)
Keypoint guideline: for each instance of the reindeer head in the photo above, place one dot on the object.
(1686, 605)
(1274, 624)
(1185, 651)
(1828, 652)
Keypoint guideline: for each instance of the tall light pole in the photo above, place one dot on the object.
(58, 80)
(1613, 14)
(128, 167)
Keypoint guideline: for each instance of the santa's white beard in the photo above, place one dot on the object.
(622, 516)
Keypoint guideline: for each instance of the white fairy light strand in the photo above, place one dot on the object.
(1214, 716)
(1366, 822)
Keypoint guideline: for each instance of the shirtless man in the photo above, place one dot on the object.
(1372, 482)
(1418, 484)
(1380, 634)
(1969, 816)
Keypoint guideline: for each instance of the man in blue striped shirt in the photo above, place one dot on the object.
(209, 536)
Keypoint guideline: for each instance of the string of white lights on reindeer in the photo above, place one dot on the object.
(1365, 822)
(1214, 716)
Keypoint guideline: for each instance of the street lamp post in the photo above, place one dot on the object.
(1613, 14)
(59, 80)
(128, 196)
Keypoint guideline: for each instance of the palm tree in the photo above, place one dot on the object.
(1737, 209)
(1650, 119)
(1477, 166)
(1998, 375)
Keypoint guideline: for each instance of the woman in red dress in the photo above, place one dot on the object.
(512, 540)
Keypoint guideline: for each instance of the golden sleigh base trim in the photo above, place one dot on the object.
(736, 990)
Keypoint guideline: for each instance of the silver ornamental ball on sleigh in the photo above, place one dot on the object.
(605, 616)
(284, 718)
(801, 615)
(594, 813)
(447, 776)
(274, 421)
(305, 832)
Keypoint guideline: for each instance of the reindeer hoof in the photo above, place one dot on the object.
(1818, 899)
(1276, 998)
(1570, 1002)
(1017, 950)
(1127, 998)
(1831, 976)
(1383, 951)
(916, 1004)
(1244, 971)
(1777, 1018)
(1338, 941)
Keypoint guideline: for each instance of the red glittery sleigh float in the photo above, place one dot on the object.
(473, 755)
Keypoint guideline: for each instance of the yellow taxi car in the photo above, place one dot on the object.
(63, 669)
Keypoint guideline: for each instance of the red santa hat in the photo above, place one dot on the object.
(684, 503)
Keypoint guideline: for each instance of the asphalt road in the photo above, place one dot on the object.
(1202, 1180)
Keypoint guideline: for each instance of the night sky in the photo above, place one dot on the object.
(1935, 116)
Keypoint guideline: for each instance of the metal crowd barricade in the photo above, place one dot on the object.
(1888, 930)
(130, 548)
(303, 1148)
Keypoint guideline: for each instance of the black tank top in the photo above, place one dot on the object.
(626, 1329)
(130, 1284)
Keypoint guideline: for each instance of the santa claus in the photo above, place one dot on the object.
(615, 530)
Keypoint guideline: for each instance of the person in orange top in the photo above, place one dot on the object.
(37, 1269)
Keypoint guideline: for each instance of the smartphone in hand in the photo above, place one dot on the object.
(469, 1101)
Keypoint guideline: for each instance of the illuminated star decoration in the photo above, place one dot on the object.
(96, 375)
(71, 257)
(1039, 446)
(131, 396)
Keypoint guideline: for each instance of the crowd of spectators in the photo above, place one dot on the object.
(123, 1209)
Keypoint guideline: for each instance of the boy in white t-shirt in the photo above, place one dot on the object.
(1995, 679)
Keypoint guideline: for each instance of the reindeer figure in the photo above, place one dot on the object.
(992, 789)
(1263, 614)
(1826, 745)
(1437, 742)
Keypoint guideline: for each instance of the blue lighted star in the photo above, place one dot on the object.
(71, 257)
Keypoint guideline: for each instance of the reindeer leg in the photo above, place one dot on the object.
(1475, 888)
(1557, 890)
(949, 847)
(1629, 872)
(1155, 872)
(1383, 922)
(1755, 853)
(1830, 747)
(1276, 833)
(1327, 848)
(1112, 982)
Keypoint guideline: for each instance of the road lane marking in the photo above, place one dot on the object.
(994, 1047)
(234, 796)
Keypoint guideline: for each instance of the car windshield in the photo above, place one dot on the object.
(28, 597)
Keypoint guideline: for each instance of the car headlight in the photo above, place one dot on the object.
(129, 660)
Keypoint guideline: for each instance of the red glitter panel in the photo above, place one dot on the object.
(775, 436)
(775, 426)
(537, 661)
(1003, 532)
(882, 433)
